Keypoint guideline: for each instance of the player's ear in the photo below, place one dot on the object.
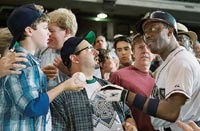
(171, 30)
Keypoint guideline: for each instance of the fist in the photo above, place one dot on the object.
(79, 77)
(76, 83)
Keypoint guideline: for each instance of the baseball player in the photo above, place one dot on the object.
(176, 96)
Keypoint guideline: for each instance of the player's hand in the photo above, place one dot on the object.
(113, 93)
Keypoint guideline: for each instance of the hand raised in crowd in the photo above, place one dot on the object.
(59, 64)
(51, 71)
(76, 83)
(190, 126)
(9, 62)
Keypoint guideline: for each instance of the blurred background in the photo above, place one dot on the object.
(121, 14)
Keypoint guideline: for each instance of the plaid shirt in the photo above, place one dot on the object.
(15, 94)
(72, 111)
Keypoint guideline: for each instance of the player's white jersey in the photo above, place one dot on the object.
(179, 73)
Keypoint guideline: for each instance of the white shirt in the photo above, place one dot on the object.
(179, 73)
(105, 118)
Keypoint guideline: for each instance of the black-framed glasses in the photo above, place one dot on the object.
(86, 48)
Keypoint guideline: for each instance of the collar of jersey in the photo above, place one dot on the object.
(91, 81)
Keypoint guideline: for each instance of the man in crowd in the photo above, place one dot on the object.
(122, 46)
(186, 38)
(62, 26)
(86, 110)
(132, 76)
(100, 43)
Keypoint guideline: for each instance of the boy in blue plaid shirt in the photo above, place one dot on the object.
(24, 104)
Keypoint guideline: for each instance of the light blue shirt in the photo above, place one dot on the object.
(24, 104)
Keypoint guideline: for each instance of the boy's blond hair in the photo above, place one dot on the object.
(65, 19)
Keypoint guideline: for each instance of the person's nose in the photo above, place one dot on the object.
(49, 33)
(146, 48)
